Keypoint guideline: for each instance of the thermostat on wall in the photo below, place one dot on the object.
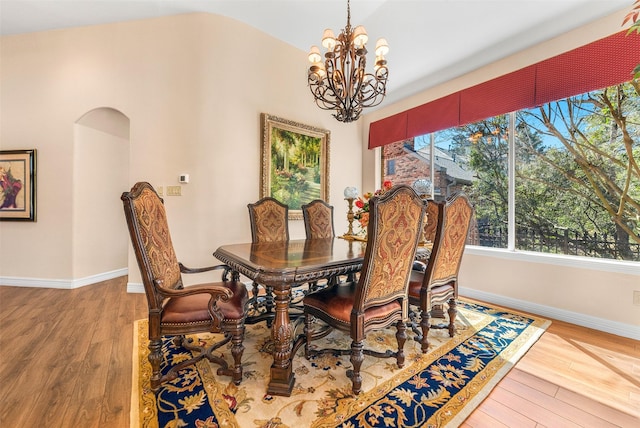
(183, 178)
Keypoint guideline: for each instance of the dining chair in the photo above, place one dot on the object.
(431, 220)
(269, 219)
(318, 219)
(438, 284)
(318, 224)
(176, 310)
(378, 299)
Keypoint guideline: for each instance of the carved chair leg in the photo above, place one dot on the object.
(254, 293)
(452, 316)
(425, 324)
(308, 334)
(155, 357)
(401, 337)
(357, 357)
(237, 349)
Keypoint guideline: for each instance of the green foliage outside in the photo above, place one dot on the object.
(577, 167)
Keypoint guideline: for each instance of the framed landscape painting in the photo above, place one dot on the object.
(18, 185)
(295, 163)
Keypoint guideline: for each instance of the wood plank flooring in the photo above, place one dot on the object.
(65, 361)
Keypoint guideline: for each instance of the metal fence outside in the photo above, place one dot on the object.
(558, 241)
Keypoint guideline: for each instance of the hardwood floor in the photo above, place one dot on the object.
(65, 361)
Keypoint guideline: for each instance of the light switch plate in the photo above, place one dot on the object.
(174, 190)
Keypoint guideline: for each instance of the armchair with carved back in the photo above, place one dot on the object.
(177, 310)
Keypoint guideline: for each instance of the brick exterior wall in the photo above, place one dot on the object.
(409, 167)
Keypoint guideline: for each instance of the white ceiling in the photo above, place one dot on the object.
(431, 41)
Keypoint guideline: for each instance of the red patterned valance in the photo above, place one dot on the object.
(603, 63)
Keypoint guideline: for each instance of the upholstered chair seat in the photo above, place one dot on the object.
(337, 302)
(194, 309)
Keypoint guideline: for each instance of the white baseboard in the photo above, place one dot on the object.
(613, 327)
(135, 287)
(63, 284)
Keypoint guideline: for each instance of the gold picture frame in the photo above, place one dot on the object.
(295, 163)
(18, 185)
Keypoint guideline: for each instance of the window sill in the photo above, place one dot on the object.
(607, 265)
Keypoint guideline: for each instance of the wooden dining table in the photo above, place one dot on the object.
(283, 265)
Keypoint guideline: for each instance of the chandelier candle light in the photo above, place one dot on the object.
(341, 82)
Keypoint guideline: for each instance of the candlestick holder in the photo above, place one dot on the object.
(350, 194)
(422, 186)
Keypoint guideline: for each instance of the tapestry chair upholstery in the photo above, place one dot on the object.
(269, 219)
(438, 284)
(431, 220)
(177, 310)
(318, 220)
(379, 298)
(318, 224)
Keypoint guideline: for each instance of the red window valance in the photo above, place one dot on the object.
(599, 64)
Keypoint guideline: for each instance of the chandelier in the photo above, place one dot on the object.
(341, 82)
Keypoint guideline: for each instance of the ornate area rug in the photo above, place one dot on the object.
(437, 389)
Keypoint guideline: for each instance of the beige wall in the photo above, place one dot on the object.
(193, 87)
(592, 294)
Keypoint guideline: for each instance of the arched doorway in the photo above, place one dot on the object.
(100, 175)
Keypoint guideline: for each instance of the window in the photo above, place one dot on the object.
(391, 166)
(574, 186)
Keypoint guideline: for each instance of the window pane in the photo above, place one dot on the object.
(577, 175)
(408, 160)
(470, 159)
(474, 157)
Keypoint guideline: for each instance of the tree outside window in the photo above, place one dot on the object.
(577, 173)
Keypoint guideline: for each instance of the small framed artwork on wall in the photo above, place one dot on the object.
(18, 185)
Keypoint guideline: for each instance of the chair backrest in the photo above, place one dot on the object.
(269, 220)
(318, 219)
(149, 231)
(449, 243)
(393, 233)
(432, 219)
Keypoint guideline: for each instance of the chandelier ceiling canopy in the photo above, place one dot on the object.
(341, 82)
